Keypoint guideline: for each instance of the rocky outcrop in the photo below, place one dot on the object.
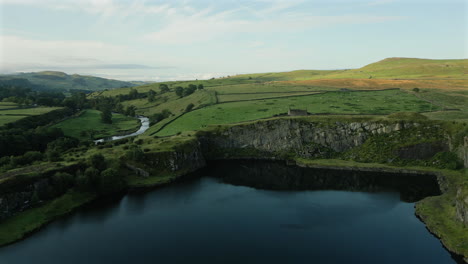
(187, 157)
(461, 204)
(138, 171)
(311, 139)
(463, 152)
(20, 198)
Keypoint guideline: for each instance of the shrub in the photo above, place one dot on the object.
(98, 161)
(446, 160)
(110, 181)
(189, 107)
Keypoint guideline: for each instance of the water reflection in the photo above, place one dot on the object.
(278, 176)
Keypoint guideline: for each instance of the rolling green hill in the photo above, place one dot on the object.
(62, 81)
(390, 68)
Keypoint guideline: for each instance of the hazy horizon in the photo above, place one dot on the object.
(181, 40)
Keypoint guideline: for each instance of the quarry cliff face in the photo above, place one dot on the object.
(314, 139)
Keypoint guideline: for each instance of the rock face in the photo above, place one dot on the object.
(20, 198)
(187, 157)
(311, 139)
(461, 204)
(463, 152)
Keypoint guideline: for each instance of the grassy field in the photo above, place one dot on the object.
(365, 102)
(12, 115)
(256, 96)
(390, 68)
(90, 120)
(371, 84)
(8, 105)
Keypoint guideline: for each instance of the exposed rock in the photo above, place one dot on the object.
(188, 158)
(461, 204)
(310, 139)
(137, 171)
(21, 198)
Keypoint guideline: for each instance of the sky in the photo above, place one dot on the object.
(199, 39)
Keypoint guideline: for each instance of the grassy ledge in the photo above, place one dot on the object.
(25, 223)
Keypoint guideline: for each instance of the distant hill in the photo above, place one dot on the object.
(62, 81)
(390, 68)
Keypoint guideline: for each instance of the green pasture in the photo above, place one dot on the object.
(9, 116)
(9, 119)
(7, 105)
(256, 96)
(388, 68)
(364, 102)
(456, 100)
(88, 125)
(28, 111)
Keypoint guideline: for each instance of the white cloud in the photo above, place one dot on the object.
(206, 27)
(17, 52)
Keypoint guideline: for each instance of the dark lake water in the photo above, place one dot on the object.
(248, 212)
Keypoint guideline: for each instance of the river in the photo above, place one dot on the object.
(248, 212)
(145, 124)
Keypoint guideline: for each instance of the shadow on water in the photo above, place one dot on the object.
(278, 176)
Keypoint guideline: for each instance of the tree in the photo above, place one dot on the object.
(106, 116)
(160, 116)
(92, 176)
(130, 110)
(179, 91)
(119, 108)
(110, 181)
(97, 161)
(133, 94)
(53, 155)
(151, 96)
(164, 88)
(200, 86)
(62, 181)
(134, 153)
(189, 90)
(189, 107)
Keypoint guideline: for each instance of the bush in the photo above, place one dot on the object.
(110, 181)
(134, 153)
(189, 107)
(446, 160)
(98, 161)
(62, 181)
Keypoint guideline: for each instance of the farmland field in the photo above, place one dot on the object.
(8, 105)
(11, 115)
(364, 102)
(89, 125)
(256, 96)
